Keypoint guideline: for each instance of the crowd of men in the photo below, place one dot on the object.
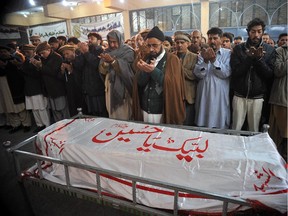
(218, 82)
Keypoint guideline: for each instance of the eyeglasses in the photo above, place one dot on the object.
(153, 45)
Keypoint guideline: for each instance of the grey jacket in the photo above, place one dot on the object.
(278, 94)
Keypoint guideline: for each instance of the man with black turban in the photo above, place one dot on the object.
(159, 85)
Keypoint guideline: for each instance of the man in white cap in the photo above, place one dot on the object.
(188, 61)
(34, 94)
(72, 69)
(35, 40)
(50, 69)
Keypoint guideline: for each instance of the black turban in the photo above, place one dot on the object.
(155, 32)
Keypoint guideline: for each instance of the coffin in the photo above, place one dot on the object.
(248, 167)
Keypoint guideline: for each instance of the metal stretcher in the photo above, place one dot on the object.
(112, 200)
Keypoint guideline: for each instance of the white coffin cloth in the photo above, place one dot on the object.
(238, 166)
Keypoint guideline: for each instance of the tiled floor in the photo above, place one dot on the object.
(15, 137)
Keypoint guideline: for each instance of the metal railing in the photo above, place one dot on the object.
(135, 180)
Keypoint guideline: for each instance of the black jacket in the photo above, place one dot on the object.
(33, 79)
(51, 74)
(15, 81)
(250, 77)
(92, 84)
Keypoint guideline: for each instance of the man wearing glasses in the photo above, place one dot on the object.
(159, 85)
(252, 64)
(116, 68)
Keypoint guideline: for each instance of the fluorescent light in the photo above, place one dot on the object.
(65, 3)
(69, 3)
(32, 2)
(25, 15)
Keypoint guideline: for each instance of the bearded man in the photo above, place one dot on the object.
(116, 68)
(159, 85)
(212, 95)
(252, 66)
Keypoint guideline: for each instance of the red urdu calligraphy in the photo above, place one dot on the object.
(89, 119)
(58, 144)
(46, 137)
(268, 175)
(102, 137)
(189, 145)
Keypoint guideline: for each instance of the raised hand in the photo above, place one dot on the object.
(143, 66)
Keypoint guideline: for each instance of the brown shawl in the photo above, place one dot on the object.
(174, 93)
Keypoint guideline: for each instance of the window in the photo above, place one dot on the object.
(169, 19)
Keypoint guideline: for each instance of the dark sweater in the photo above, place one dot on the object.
(15, 81)
(33, 79)
(51, 74)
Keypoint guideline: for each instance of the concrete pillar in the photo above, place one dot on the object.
(68, 24)
(204, 17)
(126, 23)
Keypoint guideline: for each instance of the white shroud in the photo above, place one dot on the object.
(238, 166)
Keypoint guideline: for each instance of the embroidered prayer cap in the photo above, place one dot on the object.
(67, 47)
(27, 47)
(95, 34)
(155, 32)
(42, 46)
(182, 37)
(34, 37)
